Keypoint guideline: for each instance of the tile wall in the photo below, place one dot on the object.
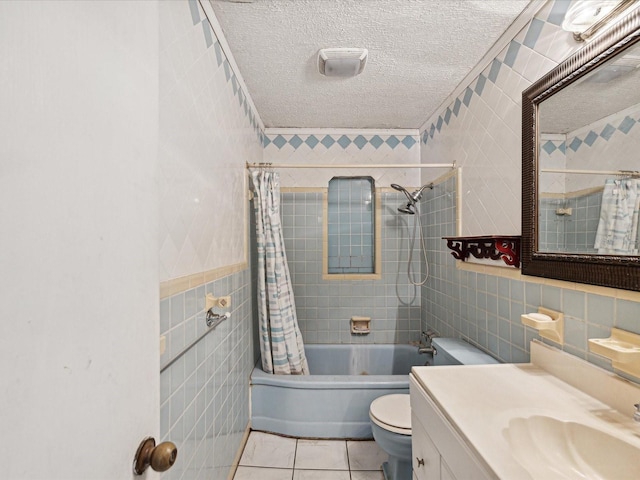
(574, 232)
(301, 146)
(204, 395)
(325, 307)
(482, 130)
(208, 130)
(485, 309)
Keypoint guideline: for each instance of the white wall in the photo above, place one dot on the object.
(78, 229)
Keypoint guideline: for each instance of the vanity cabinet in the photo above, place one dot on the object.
(439, 452)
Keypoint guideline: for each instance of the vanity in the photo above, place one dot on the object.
(556, 417)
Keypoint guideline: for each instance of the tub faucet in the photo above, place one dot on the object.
(430, 349)
(427, 347)
(636, 414)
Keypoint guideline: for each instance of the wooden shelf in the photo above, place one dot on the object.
(495, 247)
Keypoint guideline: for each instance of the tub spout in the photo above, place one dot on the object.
(423, 350)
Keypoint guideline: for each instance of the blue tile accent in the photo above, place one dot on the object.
(234, 83)
(227, 70)
(219, 55)
(327, 141)
(425, 137)
(558, 11)
(468, 93)
(312, 141)
(447, 116)
(408, 141)
(626, 124)
(295, 142)
(266, 141)
(575, 144)
(495, 70)
(480, 84)
(392, 141)
(360, 142)
(535, 28)
(195, 14)
(512, 53)
(344, 141)
(208, 37)
(549, 147)
(241, 99)
(376, 141)
(439, 124)
(563, 147)
(456, 106)
(607, 131)
(279, 141)
(590, 138)
(432, 130)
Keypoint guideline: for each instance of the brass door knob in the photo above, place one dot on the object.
(160, 457)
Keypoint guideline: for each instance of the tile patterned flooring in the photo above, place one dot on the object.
(271, 457)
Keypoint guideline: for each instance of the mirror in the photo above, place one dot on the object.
(580, 159)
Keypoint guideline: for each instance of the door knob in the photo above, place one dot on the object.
(160, 457)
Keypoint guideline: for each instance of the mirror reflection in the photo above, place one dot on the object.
(589, 157)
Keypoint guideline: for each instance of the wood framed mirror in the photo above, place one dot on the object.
(568, 221)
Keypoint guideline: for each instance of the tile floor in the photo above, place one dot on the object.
(271, 457)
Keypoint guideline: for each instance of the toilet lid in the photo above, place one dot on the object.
(392, 412)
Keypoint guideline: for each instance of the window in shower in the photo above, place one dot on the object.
(351, 227)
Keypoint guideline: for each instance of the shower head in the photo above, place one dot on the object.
(408, 208)
(400, 188)
(412, 197)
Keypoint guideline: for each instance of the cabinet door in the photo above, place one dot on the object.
(426, 459)
(445, 473)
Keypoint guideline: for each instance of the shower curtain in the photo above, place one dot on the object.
(280, 338)
(617, 232)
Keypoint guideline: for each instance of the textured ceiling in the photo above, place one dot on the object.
(419, 50)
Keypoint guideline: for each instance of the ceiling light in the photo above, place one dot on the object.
(342, 62)
(585, 17)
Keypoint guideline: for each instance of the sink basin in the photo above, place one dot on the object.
(550, 448)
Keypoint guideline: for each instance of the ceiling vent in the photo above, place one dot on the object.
(342, 62)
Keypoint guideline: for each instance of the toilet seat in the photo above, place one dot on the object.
(392, 413)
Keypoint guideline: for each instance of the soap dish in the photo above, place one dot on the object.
(549, 323)
(622, 348)
(360, 325)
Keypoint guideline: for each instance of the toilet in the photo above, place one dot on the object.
(391, 414)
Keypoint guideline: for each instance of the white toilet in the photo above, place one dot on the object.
(391, 414)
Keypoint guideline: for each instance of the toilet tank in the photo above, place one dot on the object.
(453, 351)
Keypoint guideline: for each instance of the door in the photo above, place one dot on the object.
(79, 326)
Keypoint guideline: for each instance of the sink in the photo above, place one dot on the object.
(550, 448)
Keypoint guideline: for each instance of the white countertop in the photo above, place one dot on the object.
(480, 400)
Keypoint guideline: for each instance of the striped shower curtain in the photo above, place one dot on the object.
(617, 232)
(281, 344)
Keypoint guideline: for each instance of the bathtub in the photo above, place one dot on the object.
(332, 402)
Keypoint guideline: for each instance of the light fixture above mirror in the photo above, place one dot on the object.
(585, 17)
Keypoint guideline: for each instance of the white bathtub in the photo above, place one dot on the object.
(332, 402)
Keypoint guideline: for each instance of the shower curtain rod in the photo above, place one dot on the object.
(368, 165)
(631, 173)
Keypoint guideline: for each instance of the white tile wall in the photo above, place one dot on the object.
(385, 153)
(484, 138)
(208, 131)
